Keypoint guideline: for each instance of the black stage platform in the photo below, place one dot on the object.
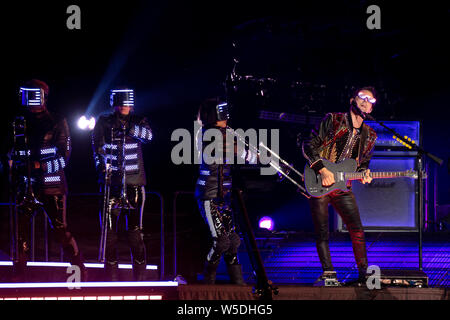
(232, 292)
(51, 281)
(166, 290)
(291, 263)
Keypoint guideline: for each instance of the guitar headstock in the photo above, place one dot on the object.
(414, 174)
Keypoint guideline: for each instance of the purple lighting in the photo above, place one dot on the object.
(99, 284)
(266, 223)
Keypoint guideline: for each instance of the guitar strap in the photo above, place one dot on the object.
(363, 137)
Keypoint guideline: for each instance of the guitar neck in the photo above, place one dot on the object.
(375, 175)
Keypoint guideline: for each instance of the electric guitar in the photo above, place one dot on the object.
(345, 171)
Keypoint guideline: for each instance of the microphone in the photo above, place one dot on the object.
(359, 112)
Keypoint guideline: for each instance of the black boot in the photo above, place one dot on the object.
(327, 279)
(209, 274)
(19, 271)
(20, 265)
(139, 271)
(235, 273)
(112, 271)
(361, 281)
(323, 251)
(362, 276)
(78, 260)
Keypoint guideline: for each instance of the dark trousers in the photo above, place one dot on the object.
(218, 216)
(136, 197)
(55, 208)
(345, 204)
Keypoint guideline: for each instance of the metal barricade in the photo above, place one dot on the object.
(46, 242)
(12, 225)
(162, 237)
(161, 199)
(11, 229)
(33, 238)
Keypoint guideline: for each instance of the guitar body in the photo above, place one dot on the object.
(313, 181)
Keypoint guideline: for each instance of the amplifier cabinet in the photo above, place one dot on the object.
(388, 204)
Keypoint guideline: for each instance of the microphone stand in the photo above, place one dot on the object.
(106, 208)
(28, 204)
(264, 288)
(420, 152)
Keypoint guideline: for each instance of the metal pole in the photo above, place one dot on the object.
(426, 221)
(161, 274)
(175, 228)
(16, 232)
(12, 240)
(435, 204)
(263, 285)
(162, 237)
(46, 237)
(420, 210)
(32, 236)
(175, 233)
(104, 221)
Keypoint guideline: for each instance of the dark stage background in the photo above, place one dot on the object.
(177, 53)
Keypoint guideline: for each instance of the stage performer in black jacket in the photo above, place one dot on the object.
(341, 136)
(39, 152)
(117, 144)
(213, 192)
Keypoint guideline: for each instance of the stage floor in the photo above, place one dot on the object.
(291, 292)
(52, 281)
(293, 260)
(291, 263)
(168, 290)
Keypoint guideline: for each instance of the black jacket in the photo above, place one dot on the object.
(215, 179)
(329, 139)
(49, 144)
(137, 131)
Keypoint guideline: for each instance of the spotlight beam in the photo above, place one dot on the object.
(145, 20)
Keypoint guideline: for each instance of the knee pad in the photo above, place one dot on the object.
(213, 257)
(235, 241)
(231, 258)
(222, 244)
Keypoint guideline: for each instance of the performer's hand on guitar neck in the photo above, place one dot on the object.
(367, 178)
(327, 177)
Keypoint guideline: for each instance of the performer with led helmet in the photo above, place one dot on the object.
(38, 153)
(117, 145)
(341, 136)
(214, 195)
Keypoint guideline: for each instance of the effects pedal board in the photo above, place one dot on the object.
(404, 278)
(328, 279)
